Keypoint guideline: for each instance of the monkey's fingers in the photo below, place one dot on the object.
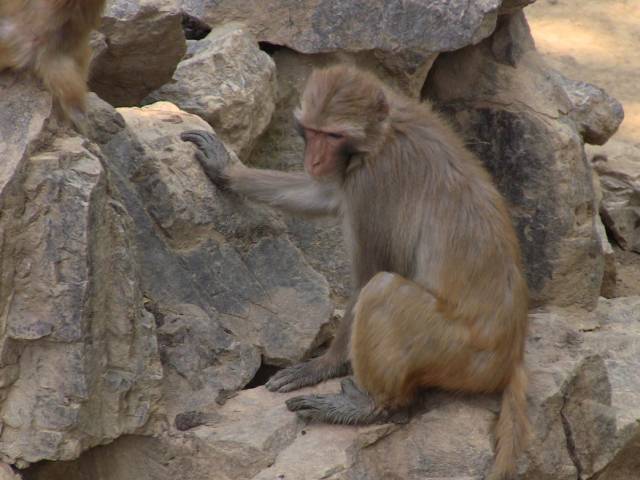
(201, 138)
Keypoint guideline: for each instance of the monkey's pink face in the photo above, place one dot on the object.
(326, 153)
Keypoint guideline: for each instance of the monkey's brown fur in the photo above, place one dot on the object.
(51, 38)
(440, 296)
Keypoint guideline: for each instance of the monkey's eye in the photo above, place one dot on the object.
(337, 136)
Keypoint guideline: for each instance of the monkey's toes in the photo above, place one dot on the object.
(291, 378)
(303, 402)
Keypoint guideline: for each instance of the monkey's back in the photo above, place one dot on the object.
(441, 222)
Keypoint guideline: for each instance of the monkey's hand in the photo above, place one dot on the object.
(212, 156)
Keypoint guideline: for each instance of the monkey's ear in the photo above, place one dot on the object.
(382, 106)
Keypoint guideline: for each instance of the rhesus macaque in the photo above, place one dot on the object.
(440, 299)
(51, 38)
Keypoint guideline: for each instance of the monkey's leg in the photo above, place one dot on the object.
(334, 363)
(65, 79)
(400, 341)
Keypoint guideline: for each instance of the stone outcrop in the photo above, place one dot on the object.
(137, 49)
(516, 118)
(583, 403)
(228, 81)
(142, 309)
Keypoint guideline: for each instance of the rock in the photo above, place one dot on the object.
(144, 43)
(597, 115)
(515, 119)
(222, 279)
(320, 26)
(513, 6)
(404, 42)
(228, 81)
(610, 275)
(583, 403)
(202, 359)
(602, 407)
(608, 288)
(79, 362)
(618, 166)
(209, 249)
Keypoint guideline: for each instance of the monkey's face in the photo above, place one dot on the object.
(326, 154)
(343, 112)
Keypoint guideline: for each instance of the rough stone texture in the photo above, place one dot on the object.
(516, 120)
(583, 403)
(281, 147)
(618, 166)
(144, 43)
(608, 288)
(117, 253)
(228, 81)
(315, 26)
(404, 42)
(79, 363)
(597, 115)
(225, 284)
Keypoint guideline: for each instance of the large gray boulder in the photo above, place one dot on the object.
(138, 46)
(403, 37)
(583, 403)
(618, 167)
(80, 363)
(121, 266)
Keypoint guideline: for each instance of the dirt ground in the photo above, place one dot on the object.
(598, 41)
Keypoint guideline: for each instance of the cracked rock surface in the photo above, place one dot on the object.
(583, 403)
(142, 309)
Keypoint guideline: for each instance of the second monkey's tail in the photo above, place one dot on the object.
(512, 430)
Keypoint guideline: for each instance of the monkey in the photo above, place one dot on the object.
(51, 39)
(440, 299)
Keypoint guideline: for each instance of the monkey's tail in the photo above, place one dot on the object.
(512, 429)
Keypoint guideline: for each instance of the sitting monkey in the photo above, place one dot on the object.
(440, 299)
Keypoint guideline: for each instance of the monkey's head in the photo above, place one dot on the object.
(343, 112)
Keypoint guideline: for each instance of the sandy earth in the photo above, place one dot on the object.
(598, 41)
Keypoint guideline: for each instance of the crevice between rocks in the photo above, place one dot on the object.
(261, 377)
(568, 434)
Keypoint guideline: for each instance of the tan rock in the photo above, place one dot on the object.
(138, 48)
(228, 81)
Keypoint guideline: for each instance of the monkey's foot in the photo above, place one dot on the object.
(305, 374)
(352, 406)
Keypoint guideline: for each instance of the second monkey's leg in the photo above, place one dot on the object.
(400, 341)
(334, 363)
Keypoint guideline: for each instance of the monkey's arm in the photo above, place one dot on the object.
(294, 192)
(290, 191)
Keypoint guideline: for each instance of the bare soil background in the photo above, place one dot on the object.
(597, 41)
